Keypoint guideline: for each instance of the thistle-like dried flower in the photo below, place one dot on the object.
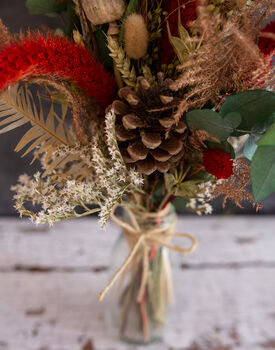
(136, 36)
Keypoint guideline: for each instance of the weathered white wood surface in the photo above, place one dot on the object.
(50, 278)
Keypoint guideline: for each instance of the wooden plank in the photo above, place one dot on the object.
(81, 244)
(231, 309)
(49, 281)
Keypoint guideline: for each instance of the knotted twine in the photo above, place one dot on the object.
(145, 239)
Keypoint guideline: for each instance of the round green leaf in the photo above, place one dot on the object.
(269, 137)
(250, 147)
(222, 146)
(254, 106)
(263, 172)
(212, 122)
(50, 8)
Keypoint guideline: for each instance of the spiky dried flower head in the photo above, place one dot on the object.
(4, 34)
(49, 55)
(136, 36)
(218, 163)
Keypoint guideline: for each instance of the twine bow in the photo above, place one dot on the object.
(137, 238)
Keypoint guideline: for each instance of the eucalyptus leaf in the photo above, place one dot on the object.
(221, 146)
(234, 119)
(213, 123)
(269, 137)
(180, 203)
(255, 107)
(103, 51)
(51, 8)
(262, 172)
(271, 119)
(250, 147)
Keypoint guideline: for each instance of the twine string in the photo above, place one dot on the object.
(144, 239)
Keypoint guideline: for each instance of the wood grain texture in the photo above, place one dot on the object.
(50, 279)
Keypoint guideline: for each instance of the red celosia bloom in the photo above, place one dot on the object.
(218, 163)
(267, 45)
(39, 55)
(188, 14)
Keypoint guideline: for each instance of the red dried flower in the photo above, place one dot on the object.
(267, 45)
(39, 55)
(188, 14)
(218, 163)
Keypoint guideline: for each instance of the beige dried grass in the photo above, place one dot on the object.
(136, 36)
(228, 60)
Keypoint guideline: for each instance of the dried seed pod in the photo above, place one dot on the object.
(136, 36)
(103, 11)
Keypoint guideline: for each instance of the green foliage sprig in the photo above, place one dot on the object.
(253, 113)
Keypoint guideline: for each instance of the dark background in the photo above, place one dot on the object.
(15, 17)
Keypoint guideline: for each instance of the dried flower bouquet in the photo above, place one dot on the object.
(137, 104)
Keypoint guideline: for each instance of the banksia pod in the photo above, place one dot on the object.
(103, 11)
(146, 132)
(136, 36)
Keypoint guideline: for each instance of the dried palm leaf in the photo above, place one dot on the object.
(85, 111)
(46, 132)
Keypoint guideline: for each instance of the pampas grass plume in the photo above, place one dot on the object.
(136, 36)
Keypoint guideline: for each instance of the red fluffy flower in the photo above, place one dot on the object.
(188, 14)
(267, 45)
(39, 55)
(218, 163)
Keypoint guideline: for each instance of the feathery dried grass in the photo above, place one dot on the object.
(227, 60)
(136, 36)
(256, 13)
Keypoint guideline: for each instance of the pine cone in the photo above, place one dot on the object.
(146, 131)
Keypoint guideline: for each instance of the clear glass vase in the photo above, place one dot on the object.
(139, 318)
